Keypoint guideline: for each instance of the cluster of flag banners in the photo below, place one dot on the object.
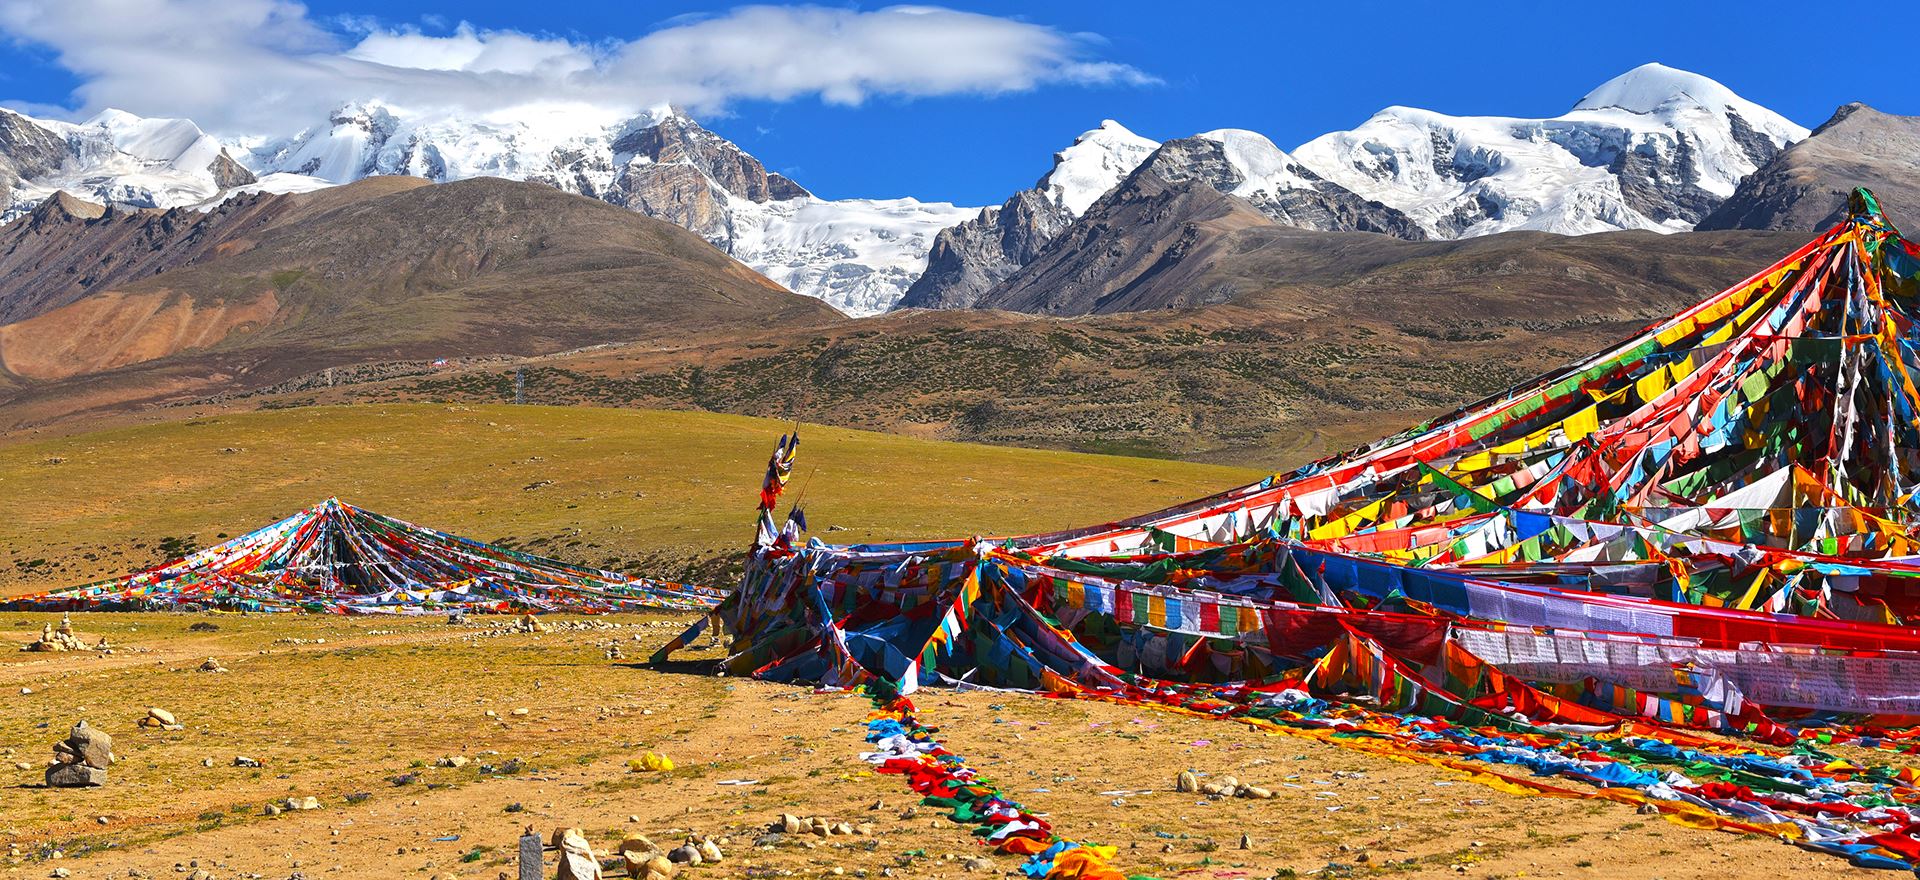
(1671, 574)
(335, 557)
(906, 747)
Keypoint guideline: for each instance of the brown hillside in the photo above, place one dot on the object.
(372, 272)
(67, 248)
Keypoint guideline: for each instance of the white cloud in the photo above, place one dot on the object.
(254, 66)
(471, 51)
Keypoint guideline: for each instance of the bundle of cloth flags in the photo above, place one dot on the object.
(335, 557)
(1671, 573)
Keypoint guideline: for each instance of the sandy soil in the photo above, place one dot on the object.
(349, 720)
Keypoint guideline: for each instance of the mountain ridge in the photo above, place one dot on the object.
(971, 257)
(1139, 246)
(1652, 148)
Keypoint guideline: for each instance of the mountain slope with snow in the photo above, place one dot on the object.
(1146, 243)
(859, 255)
(117, 159)
(1654, 148)
(970, 258)
(1099, 159)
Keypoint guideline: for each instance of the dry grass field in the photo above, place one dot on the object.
(666, 494)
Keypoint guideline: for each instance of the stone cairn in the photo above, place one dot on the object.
(161, 719)
(529, 624)
(82, 759)
(60, 638)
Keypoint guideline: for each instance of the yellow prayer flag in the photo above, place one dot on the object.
(1346, 525)
(1682, 368)
(1478, 461)
(1651, 385)
(1582, 424)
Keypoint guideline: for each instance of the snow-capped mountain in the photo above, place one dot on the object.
(860, 255)
(1247, 165)
(1654, 148)
(1051, 249)
(1098, 159)
(1144, 244)
(970, 258)
(118, 159)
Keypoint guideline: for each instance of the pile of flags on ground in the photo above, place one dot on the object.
(905, 747)
(335, 557)
(1675, 573)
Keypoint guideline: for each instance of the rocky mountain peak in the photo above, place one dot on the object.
(63, 207)
(677, 139)
(1843, 113)
(27, 150)
(968, 259)
(367, 116)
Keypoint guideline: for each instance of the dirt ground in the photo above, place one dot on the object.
(360, 720)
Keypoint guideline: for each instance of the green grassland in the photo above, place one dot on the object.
(668, 494)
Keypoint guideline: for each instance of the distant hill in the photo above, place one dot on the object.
(1805, 188)
(276, 286)
(1328, 339)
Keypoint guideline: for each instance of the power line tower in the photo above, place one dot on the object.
(520, 385)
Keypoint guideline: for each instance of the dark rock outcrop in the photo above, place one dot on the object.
(969, 259)
(228, 174)
(26, 151)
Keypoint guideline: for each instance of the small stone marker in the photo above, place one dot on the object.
(532, 863)
(82, 758)
(161, 718)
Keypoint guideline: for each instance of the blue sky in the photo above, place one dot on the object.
(1290, 71)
